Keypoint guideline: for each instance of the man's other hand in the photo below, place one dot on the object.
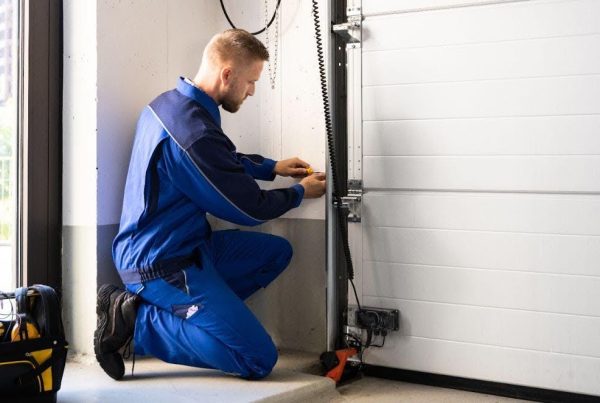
(314, 185)
(293, 167)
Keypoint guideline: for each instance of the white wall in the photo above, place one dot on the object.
(79, 113)
(79, 171)
(287, 121)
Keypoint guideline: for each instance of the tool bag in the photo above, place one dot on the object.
(33, 349)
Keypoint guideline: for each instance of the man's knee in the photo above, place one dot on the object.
(284, 251)
(279, 256)
(261, 364)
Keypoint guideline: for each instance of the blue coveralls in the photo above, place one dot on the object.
(192, 280)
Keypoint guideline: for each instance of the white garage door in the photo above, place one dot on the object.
(478, 145)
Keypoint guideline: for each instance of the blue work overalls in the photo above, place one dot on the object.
(192, 280)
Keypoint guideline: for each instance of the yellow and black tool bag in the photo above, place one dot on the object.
(33, 349)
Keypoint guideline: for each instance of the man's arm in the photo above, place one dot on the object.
(266, 169)
(258, 166)
(209, 173)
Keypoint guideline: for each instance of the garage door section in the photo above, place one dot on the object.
(475, 130)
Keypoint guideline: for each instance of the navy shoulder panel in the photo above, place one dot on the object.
(184, 119)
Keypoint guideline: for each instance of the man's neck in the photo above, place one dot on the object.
(210, 90)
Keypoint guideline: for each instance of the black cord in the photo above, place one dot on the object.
(7, 316)
(369, 338)
(331, 148)
(379, 345)
(358, 346)
(253, 33)
(353, 337)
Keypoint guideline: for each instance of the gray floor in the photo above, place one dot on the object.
(293, 380)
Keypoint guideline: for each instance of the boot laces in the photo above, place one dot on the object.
(129, 352)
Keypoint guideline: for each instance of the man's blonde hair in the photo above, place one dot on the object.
(236, 45)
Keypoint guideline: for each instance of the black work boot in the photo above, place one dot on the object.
(116, 311)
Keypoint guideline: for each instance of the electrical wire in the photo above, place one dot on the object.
(353, 337)
(358, 345)
(8, 316)
(379, 345)
(253, 33)
(331, 148)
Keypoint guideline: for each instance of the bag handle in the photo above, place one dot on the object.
(50, 320)
(22, 316)
(21, 298)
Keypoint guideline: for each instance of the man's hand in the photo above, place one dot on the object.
(314, 185)
(293, 167)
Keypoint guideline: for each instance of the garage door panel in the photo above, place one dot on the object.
(566, 334)
(501, 98)
(557, 254)
(485, 61)
(515, 290)
(533, 213)
(484, 173)
(386, 6)
(479, 157)
(490, 363)
(501, 22)
(548, 135)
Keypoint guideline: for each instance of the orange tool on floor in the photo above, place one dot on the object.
(342, 356)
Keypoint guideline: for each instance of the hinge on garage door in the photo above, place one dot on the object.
(350, 30)
(353, 200)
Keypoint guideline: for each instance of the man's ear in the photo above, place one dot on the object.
(226, 75)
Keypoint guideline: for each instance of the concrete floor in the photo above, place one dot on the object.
(158, 382)
(369, 390)
(293, 380)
